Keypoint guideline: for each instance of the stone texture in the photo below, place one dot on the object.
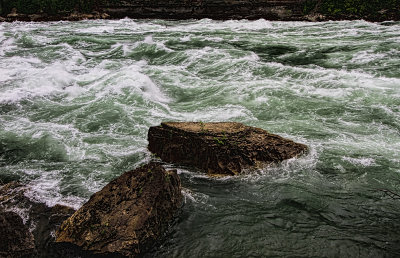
(40, 219)
(128, 215)
(15, 238)
(220, 148)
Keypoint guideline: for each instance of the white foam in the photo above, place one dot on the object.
(74, 91)
(37, 82)
(22, 212)
(366, 56)
(197, 198)
(148, 39)
(262, 100)
(46, 189)
(214, 114)
(97, 30)
(94, 74)
(332, 93)
(13, 68)
(238, 25)
(160, 44)
(185, 38)
(331, 83)
(6, 45)
(365, 162)
(130, 80)
(78, 74)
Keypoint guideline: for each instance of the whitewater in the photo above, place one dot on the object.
(77, 99)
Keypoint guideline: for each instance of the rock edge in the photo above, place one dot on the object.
(226, 148)
(128, 215)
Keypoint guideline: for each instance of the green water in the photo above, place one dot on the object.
(77, 99)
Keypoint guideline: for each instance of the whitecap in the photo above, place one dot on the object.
(131, 78)
(185, 38)
(227, 112)
(148, 39)
(246, 25)
(365, 162)
(37, 82)
(97, 30)
(46, 189)
(366, 56)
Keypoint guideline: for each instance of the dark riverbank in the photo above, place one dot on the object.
(281, 10)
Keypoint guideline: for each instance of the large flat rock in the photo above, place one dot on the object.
(220, 148)
(127, 216)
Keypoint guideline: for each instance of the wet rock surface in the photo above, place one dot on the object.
(39, 222)
(127, 216)
(220, 148)
(15, 238)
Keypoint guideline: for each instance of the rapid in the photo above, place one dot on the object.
(77, 99)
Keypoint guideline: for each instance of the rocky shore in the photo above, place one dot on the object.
(124, 219)
(280, 10)
(130, 214)
(27, 226)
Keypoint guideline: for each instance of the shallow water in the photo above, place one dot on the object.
(77, 99)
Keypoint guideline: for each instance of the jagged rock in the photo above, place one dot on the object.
(41, 219)
(127, 215)
(15, 238)
(220, 148)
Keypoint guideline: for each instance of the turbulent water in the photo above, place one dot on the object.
(77, 99)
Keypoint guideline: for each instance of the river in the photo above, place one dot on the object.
(77, 99)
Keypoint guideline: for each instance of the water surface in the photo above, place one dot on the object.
(77, 99)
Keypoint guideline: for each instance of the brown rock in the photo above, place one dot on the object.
(15, 238)
(104, 16)
(220, 148)
(36, 17)
(41, 219)
(13, 13)
(127, 215)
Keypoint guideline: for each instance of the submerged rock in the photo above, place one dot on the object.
(39, 222)
(220, 148)
(127, 215)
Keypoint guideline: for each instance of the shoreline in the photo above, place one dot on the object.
(283, 10)
(106, 16)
